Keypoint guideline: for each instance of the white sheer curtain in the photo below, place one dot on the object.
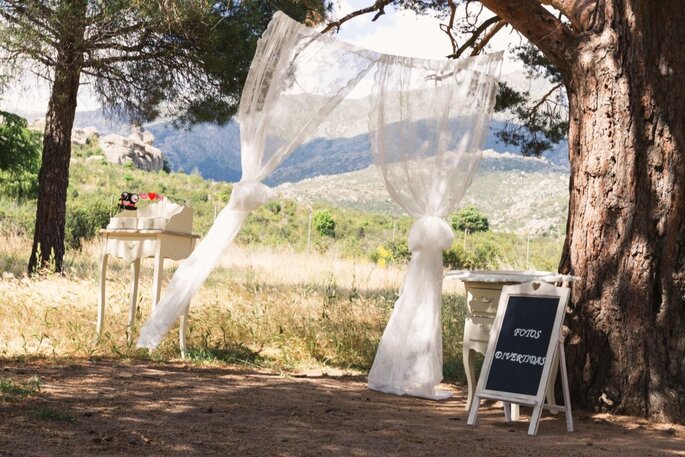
(297, 78)
(427, 128)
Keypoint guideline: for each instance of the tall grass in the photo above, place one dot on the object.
(274, 308)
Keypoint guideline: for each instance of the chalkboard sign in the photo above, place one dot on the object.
(525, 342)
(521, 351)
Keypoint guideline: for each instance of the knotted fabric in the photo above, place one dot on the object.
(250, 195)
(427, 129)
(430, 232)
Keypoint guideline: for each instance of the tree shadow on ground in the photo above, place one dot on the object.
(147, 408)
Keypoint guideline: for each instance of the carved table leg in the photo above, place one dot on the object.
(135, 272)
(182, 331)
(101, 297)
(157, 276)
(469, 358)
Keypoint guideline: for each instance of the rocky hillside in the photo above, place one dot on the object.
(523, 195)
(517, 194)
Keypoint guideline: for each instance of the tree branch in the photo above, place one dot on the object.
(104, 34)
(488, 36)
(23, 15)
(95, 62)
(474, 37)
(544, 98)
(378, 6)
(581, 13)
(447, 28)
(542, 29)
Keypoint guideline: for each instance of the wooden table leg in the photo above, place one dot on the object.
(135, 272)
(182, 331)
(470, 369)
(157, 275)
(101, 297)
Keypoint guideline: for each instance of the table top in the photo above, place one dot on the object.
(508, 276)
(133, 232)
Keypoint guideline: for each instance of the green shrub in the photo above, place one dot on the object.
(85, 216)
(470, 219)
(399, 251)
(274, 207)
(324, 223)
(20, 184)
(90, 149)
(454, 258)
(481, 254)
(391, 252)
(380, 256)
(17, 217)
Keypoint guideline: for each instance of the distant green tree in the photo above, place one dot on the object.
(324, 223)
(470, 219)
(19, 146)
(19, 157)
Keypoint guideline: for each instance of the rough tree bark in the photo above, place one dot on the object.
(53, 178)
(627, 207)
(624, 71)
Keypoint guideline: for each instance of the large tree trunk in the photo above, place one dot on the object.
(625, 237)
(53, 178)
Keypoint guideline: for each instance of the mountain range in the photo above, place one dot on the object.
(517, 193)
(214, 151)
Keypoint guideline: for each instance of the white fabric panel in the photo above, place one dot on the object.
(427, 128)
(297, 78)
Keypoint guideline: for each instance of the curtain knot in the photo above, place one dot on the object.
(430, 232)
(250, 195)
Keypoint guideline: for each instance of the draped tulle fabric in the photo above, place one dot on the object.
(427, 128)
(296, 79)
(427, 125)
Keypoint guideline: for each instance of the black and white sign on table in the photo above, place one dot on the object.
(525, 346)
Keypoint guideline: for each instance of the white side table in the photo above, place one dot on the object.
(132, 245)
(483, 290)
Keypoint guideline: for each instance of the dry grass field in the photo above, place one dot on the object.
(278, 309)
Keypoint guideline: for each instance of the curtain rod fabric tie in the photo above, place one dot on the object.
(250, 195)
(430, 232)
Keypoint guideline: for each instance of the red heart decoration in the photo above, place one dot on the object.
(152, 195)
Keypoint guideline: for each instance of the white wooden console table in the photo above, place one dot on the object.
(483, 290)
(133, 236)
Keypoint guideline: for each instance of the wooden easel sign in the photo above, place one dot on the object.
(524, 350)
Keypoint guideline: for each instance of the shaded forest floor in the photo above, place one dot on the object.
(139, 408)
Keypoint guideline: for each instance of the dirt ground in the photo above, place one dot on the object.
(175, 409)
